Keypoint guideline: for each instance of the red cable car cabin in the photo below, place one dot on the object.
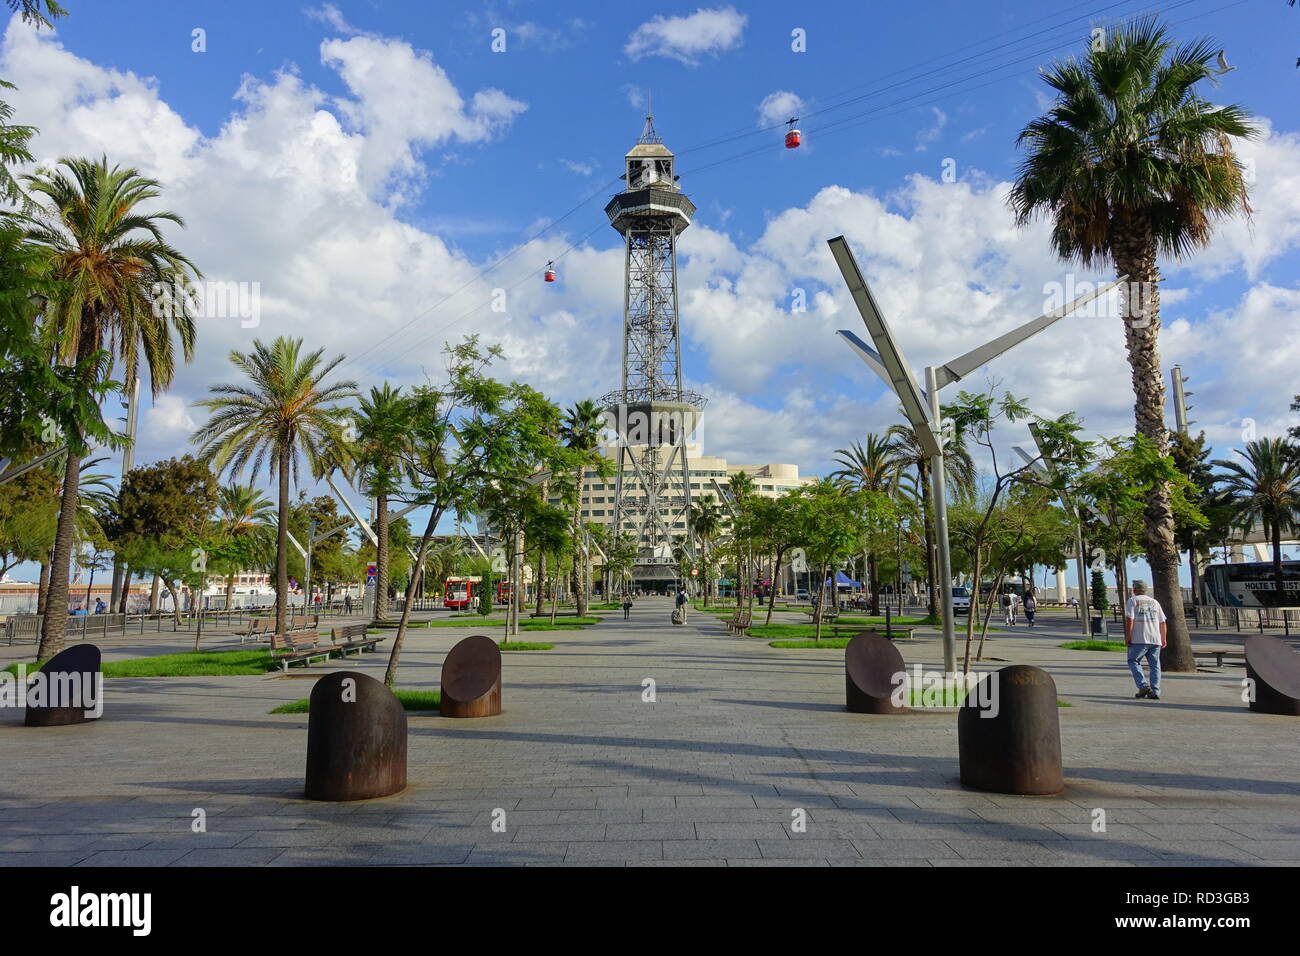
(792, 136)
(550, 272)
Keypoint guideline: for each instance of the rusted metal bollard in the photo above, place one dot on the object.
(69, 690)
(471, 679)
(356, 739)
(872, 671)
(1274, 673)
(1009, 733)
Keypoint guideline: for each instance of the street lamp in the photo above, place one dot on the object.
(922, 408)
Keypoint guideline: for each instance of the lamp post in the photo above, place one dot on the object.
(922, 409)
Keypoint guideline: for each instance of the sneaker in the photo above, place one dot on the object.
(1153, 696)
(1143, 692)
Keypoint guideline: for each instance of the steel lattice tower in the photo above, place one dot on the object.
(654, 414)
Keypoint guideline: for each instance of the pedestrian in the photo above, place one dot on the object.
(347, 604)
(627, 605)
(100, 606)
(1031, 605)
(1008, 608)
(681, 603)
(1146, 631)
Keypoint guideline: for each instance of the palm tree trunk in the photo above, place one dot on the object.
(927, 519)
(1277, 564)
(381, 558)
(282, 545)
(155, 589)
(1135, 256)
(230, 589)
(56, 601)
(776, 576)
(43, 588)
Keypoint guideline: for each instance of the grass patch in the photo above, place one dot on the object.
(1094, 645)
(947, 696)
(186, 664)
(825, 642)
(561, 624)
(525, 646)
(1063, 703)
(465, 621)
(411, 700)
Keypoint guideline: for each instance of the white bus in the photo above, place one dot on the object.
(1252, 584)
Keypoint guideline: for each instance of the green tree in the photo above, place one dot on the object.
(706, 520)
(160, 518)
(873, 467)
(1130, 164)
(910, 452)
(245, 523)
(284, 413)
(106, 257)
(581, 431)
(381, 452)
(1265, 487)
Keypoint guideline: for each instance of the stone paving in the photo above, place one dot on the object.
(741, 737)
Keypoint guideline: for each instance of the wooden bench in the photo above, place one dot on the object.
(740, 622)
(308, 622)
(259, 628)
(896, 632)
(827, 616)
(354, 636)
(24, 627)
(1219, 655)
(298, 646)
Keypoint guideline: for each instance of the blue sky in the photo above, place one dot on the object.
(366, 162)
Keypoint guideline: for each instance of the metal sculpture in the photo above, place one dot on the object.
(356, 739)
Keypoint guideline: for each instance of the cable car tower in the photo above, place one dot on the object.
(654, 415)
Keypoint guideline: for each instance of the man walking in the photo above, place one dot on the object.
(681, 603)
(627, 605)
(1145, 633)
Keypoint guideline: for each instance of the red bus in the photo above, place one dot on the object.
(461, 593)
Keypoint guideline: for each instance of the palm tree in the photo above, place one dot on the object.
(1266, 489)
(106, 257)
(706, 522)
(246, 515)
(1130, 163)
(381, 450)
(959, 468)
(581, 431)
(284, 413)
(873, 467)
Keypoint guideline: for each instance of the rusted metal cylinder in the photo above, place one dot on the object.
(1009, 733)
(873, 673)
(68, 687)
(471, 679)
(356, 739)
(1274, 672)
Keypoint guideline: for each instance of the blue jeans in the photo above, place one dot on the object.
(1136, 652)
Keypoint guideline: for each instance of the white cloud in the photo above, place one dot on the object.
(167, 422)
(706, 31)
(778, 107)
(297, 191)
(929, 135)
(582, 169)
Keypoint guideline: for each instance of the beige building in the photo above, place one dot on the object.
(771, 480)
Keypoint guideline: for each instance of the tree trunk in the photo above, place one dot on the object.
(381, 558)
(230, 590)
(1135, 256)
(43, 588)
(390, 675)
(776, 576)
(126, 589)
(927, 521)
(55, 621)
(282, 545)
(1277, 564)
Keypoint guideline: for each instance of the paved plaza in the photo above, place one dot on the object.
(740, 737)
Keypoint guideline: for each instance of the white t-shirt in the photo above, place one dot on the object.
(1147, 615)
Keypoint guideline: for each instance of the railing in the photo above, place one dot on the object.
(1247, 618)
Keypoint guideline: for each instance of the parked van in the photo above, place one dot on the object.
(960, 601)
